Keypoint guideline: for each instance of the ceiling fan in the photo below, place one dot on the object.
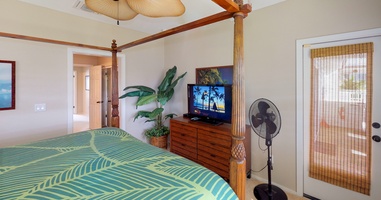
(265, 120)
(128, 9)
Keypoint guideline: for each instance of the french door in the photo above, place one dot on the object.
(341, 116)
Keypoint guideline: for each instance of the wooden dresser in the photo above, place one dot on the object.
(206, 144)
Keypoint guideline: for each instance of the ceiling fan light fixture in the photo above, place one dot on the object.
(116, 9)
(157, 8)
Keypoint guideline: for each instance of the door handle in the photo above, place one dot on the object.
(99, 101)
(376, 138)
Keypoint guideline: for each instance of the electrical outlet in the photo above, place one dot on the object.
(41, 107)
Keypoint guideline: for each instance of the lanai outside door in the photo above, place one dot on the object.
(339, 110)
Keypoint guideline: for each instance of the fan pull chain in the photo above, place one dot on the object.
(117, 21)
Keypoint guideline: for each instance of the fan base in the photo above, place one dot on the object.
(261, 192)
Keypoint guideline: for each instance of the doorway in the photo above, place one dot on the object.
(92, 92)
(327, 124)
(85, 114)
(81, 93)
(101, 57)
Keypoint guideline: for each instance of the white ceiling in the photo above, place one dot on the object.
(195, 9)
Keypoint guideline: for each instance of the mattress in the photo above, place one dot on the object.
(106, 163)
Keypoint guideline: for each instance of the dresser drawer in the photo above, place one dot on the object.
(222, 171)
(183, 129)
(183, 140)
(206, 144)
(214, 162)
(213, 155)
(216, 138)
(185, 152)
(214, 142)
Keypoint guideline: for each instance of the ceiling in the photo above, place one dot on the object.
(195, 9)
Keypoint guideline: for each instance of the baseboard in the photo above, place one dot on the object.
(285, 189)
(310, 197)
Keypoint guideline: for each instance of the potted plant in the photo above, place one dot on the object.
(159, 132)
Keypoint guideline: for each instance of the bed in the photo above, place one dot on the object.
(106, 163)
(234, 9)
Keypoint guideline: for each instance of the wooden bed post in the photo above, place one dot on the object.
(238, 154)
(115, 92)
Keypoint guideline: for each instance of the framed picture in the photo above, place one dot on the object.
(215, 75)
(7, 85)
(87, 82)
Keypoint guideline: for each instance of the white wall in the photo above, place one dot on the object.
(270, 66)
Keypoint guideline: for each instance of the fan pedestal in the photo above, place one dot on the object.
(266, 122)
(261, 192)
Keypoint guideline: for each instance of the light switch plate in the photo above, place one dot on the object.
(41, 107)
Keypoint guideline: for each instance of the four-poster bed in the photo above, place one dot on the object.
(234, 9)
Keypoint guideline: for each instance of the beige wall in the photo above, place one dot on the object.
(270, 66)
(270, 37)
(42, 70)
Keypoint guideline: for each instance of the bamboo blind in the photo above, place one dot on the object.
(340, 140)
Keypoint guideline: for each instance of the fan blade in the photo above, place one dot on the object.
(157, 8)
(263, 106)
(256, 120)
(118, 10)
(270, 126)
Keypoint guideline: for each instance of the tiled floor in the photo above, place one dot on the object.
(251, 183)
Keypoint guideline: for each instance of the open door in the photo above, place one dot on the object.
(95, 110)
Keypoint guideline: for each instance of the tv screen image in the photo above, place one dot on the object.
(210, 102)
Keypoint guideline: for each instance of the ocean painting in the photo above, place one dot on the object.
(6, 85)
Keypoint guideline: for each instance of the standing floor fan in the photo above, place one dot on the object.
(265, 120)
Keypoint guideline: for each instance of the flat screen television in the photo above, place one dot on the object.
(210, 103)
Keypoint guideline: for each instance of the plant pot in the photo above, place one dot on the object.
(160, 142)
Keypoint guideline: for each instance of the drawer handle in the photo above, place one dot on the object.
(212, 144)
(213, 155)
(182, 134)
(183, 145)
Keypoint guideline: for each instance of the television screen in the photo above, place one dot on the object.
(210, 102)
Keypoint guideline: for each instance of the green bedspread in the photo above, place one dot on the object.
(106, 163)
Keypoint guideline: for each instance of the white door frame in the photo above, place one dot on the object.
(121, 80)
(75, 80)
(300, 91)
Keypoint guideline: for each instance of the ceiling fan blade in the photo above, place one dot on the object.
(270, 126)
(157, 8)
(263, 106)
(256, 120)
(118, 10)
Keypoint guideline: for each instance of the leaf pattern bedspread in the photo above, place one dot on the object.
(107, 163)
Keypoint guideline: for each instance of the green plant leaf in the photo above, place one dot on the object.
(157, 131)
(171, 115)
(146, 100)
(156, 112)
(142, 114)
(151, 115)
(135, 94)
(174, 83)
(141, 91)
(160, 97)
(140, 87)
(167, 79)
(164, 97)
